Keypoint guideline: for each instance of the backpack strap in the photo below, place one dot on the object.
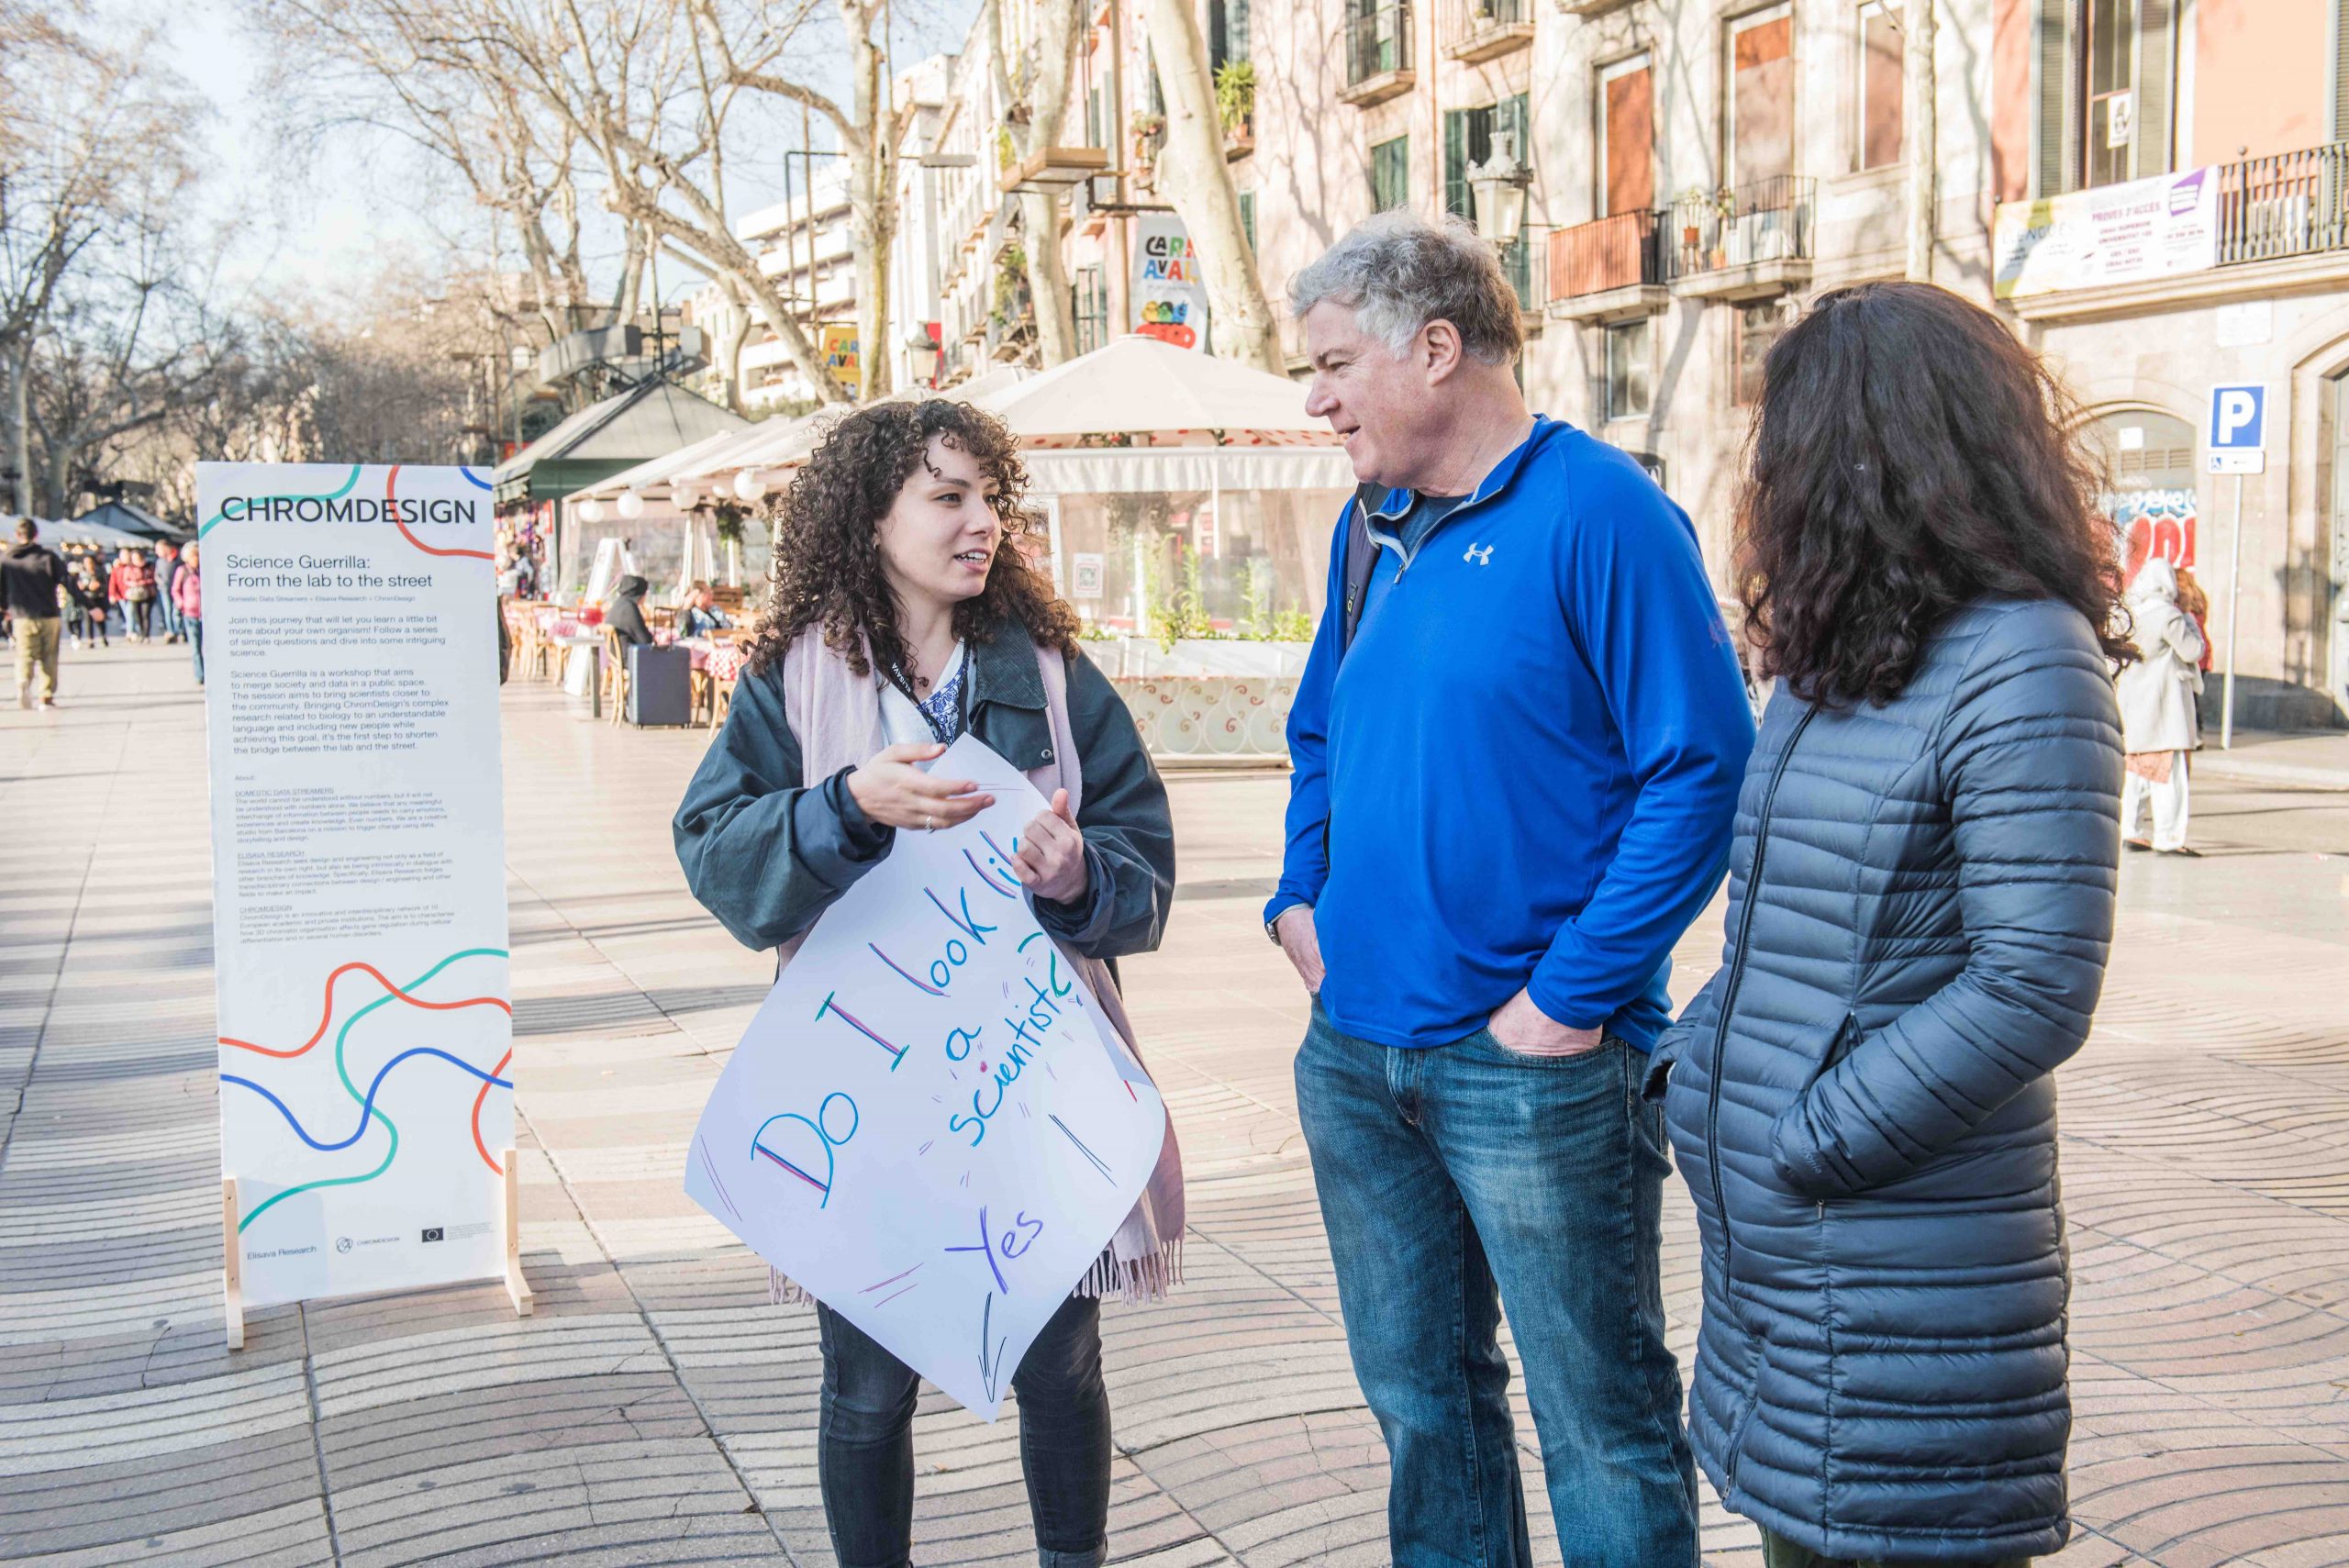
(1360, 556)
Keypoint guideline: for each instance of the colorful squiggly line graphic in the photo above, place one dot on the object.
(389, 480)
(349, 484)
(368, 1112)
(392, 478)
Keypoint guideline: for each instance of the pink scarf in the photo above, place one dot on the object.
(835, 715)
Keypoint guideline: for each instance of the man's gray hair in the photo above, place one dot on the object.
(1398, 272)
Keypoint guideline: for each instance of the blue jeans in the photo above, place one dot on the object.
(864, 1448)
(195, 639)
(1465, 1180)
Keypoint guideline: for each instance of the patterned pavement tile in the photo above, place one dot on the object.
(658, 1411)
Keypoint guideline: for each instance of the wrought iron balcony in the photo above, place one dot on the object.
(1378, 56)
(2293, 203)
(1748, 243)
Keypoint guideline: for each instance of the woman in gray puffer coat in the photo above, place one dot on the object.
(1920, 902)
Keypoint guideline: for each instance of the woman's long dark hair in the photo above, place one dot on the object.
(826, 569)
(1910, 456)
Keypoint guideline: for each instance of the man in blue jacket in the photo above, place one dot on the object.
(1518, 748)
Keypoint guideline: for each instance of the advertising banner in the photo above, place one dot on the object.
(2114, 234)
(359, 884)
(930, 1127)
(1170, 298)
(841, 358)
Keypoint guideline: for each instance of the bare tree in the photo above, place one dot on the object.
(1196, 179)
(88, 136)
(750, 40)
(1034, 102)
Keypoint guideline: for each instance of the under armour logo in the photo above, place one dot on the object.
(1481, 557)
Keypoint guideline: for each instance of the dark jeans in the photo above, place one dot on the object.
(865, 1454)
(139, 617)
(1777, 1552)
(195, 640)
(1464, 1180)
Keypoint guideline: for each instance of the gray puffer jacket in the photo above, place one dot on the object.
(1921, 903)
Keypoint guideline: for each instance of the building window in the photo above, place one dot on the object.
(1626, 137)
(1227, 33)
(1882, 85)
(1468, 136)
(1761, 130)
(1624, 394)
(1092, 309)
(1248, 219)
(1758, 326)
(2107, 70)
(1390, 174)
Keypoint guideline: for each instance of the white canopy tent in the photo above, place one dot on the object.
(54, 533)
(1149, 460)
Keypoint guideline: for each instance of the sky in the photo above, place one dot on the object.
(330, 212)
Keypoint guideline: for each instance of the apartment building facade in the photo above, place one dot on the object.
(1699, 168)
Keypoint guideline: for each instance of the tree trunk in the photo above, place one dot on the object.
(1039, 211)
(873, 211)
(1922, 131)
(1197, 181)
(730, 352)
(20, 425)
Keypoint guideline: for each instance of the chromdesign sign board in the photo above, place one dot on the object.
(359, 885)
(930, 1126)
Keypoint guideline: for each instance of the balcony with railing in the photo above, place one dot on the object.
(1487, 29)
(1378, 56)
(1609, 270)
(1747, 243)
(2293, 203)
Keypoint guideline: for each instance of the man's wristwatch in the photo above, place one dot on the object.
(1273, 925)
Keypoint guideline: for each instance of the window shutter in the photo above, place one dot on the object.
(2341, 70)
(2057, 129)
(2156, 80)
(1455, 163)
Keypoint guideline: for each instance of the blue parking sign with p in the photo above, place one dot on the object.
(2238, 429)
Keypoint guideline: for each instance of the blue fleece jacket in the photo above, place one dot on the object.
(1523, 771)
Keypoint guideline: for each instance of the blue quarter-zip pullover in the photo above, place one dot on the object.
(1522, 773)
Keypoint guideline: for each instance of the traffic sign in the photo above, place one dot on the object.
(2238, 429)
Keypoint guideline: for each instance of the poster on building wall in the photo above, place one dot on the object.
(364, 1028)
(2115, 234)
(841, 358)
(2154, 525)
(931, 1126)
(1170, 298)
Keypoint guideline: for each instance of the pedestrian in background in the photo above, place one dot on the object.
(1516, 746)
(702, 616)
(2161, 720)
(625, 614)
(190, 591)
(2196, 603)
(33, 586)
(132, 585)
(1921, 906)
(167, 571)
(93, 605)
(903, 615)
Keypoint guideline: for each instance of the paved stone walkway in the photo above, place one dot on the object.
(656, 1410)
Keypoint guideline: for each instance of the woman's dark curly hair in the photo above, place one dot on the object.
(1910, 456)
(828, 569)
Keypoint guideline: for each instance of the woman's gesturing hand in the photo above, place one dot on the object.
(890, 790)
(1050, 861)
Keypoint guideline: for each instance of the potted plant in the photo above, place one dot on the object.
(1235, 97)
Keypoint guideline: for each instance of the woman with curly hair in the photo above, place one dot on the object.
(905, 614)
(1921, 904)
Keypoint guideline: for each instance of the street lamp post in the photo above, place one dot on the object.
(1499, 186)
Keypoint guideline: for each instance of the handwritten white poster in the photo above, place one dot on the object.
(929, 1125)
(359, 882)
